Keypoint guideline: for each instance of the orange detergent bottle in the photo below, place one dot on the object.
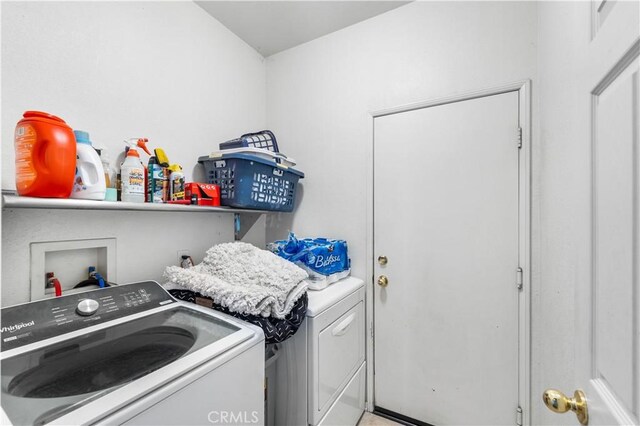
(45, 156)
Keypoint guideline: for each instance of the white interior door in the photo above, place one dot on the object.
(614, 353)
(604, 97)
(446, 216)
(611, 377)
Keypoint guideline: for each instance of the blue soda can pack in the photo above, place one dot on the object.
(325, 260)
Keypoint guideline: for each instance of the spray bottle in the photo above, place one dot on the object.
(133, 172)
(109, 172)
(111, 178)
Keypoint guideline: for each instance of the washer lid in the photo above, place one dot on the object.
(55, 379)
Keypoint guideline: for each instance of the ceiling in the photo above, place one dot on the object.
(273, 26)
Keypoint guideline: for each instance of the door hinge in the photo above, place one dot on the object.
(519, 279)
(371, 330)
(519, 137)
(519, 416)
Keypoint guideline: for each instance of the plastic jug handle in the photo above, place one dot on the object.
(40, 156)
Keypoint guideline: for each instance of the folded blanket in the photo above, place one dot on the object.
(243, 279)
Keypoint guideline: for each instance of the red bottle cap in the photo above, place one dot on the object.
(41, 114)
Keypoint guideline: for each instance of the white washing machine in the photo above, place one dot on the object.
(129, 354)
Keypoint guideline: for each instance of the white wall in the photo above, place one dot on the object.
(146, 241)
(321, 93)
(164, 70)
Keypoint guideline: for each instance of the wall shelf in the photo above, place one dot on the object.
(13, 201)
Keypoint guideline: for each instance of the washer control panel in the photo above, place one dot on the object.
(35, 321)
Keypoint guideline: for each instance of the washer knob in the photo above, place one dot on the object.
(87, 307)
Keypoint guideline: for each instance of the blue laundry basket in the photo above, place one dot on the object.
(252, 182)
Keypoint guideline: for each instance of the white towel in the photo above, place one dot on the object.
(244, 279)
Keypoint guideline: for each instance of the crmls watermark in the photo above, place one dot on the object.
(233, 417)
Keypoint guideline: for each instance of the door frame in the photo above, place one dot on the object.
(523, 88)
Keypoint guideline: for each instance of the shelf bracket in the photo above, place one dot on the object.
(243, 223)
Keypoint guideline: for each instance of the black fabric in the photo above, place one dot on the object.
(275, 330)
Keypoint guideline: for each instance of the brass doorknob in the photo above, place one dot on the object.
(383, 281)
(382, 260)
(558, 402)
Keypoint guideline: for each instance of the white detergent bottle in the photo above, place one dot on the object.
(132, 173)
(89, 183)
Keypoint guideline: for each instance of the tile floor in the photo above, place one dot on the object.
(369, 419)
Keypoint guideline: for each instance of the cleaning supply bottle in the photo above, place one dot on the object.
(161, 185)
(110, 176)
(176, 183)
(133, 172)
(109, 172)
(89, 182)
(45, 156)
(155, 181)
